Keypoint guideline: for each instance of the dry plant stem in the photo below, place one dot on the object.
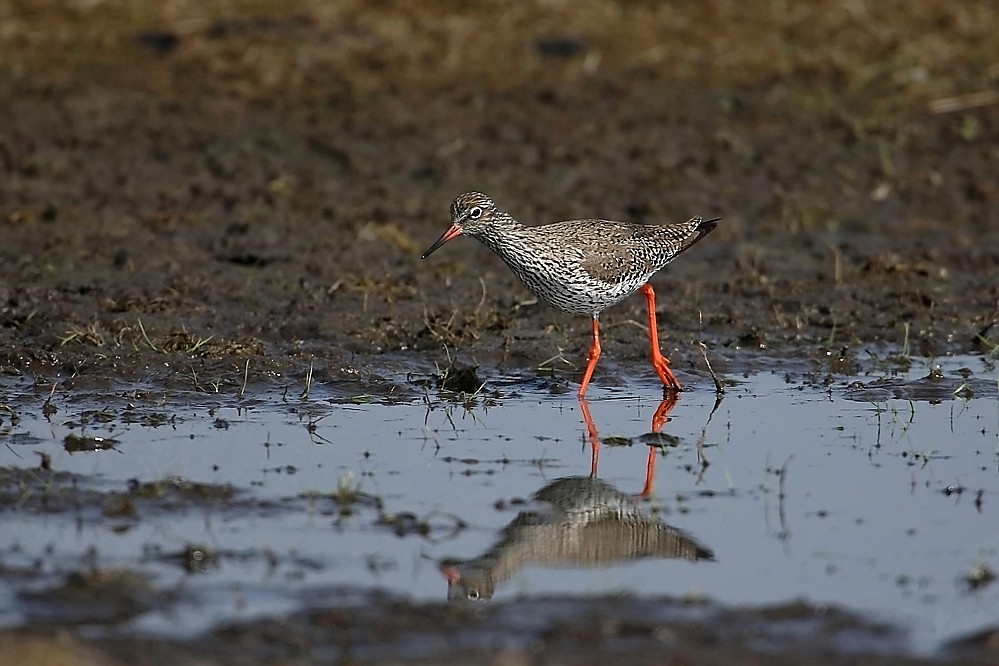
(780, 497)
(719, 389)
(308, 382)
(246, 376)
(964, 102)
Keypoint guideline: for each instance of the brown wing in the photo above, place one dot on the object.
(616, 264)
(619, 251)
(615, 252)
(631, 250)
(605, 249)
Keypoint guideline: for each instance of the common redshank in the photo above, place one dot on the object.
(580, 266)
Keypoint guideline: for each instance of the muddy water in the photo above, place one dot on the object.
(874, 493)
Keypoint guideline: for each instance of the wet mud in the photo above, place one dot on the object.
(232, 200)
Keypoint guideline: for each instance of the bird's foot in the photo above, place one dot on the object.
(669, 380)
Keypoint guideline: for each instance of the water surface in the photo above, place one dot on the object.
(874, 493)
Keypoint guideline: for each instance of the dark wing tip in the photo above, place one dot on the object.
(705, 226)
(702, 229)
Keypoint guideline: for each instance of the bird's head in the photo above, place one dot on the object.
(467, 583)
(470, 212)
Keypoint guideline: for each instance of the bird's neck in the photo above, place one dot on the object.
(506, 239)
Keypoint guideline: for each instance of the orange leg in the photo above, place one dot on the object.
(659, 362)
(661, 416)
(591, 358)
(650, 473)
(659, 419)
(591, 431)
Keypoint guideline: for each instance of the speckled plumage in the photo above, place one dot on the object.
(579, 266)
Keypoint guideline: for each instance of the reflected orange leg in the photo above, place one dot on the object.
(591, 431)
(659, 362)
(650, 474)
(659, 419)
(661, 416)
(591, 358)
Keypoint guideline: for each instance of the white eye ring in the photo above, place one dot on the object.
(473, 595)
(475, 212)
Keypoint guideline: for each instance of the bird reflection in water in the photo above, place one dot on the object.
(577, 521)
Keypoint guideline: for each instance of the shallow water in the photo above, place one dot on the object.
(874, 493)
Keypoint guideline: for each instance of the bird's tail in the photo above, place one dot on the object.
(702, 228)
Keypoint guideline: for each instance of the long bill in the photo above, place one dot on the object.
(452, 231)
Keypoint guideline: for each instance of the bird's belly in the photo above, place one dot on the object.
(574, 291)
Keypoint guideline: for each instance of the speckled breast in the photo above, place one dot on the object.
(566, 286)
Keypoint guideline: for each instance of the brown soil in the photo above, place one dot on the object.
(192, 194)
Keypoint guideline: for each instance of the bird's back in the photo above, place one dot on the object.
(616, 252)
(586, 266)
(578, 266)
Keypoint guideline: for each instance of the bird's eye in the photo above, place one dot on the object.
(475, 212)
(473, 594)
